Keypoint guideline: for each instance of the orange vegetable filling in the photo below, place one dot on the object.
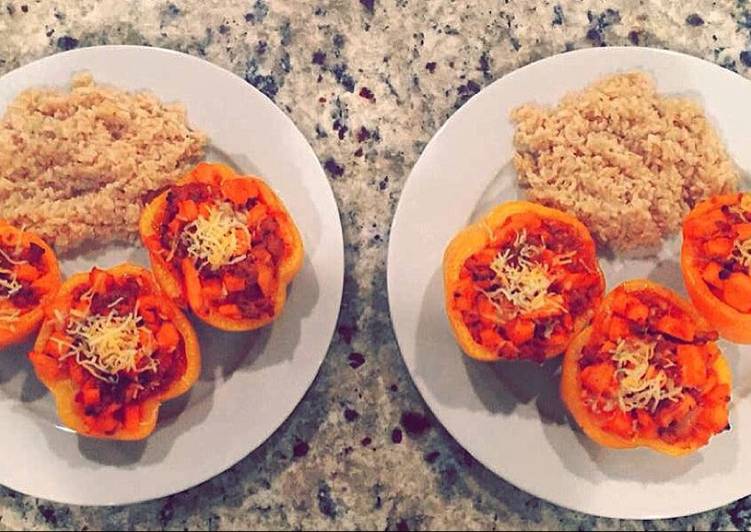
(522, 293)
(105, 318)
(647, 371)
(721, 240)
(238, 280)
(23, 277)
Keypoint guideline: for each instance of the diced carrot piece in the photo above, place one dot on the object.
(192, 283)
(621, 424)
(618, 328)
(719, 247)
(690, 358)
(204, 173)
(91, 395)
(239, 190)
(637, 311)
(485, 256)
(173, 227)
(47, 367)
(167, 338)
(743, 230)
(620, 301)
(266, 280)
(490, 338)
(187, 210)
(212, 289)
(26, 272)
(683, 329)
(234, 283)
(520, 331)
(711, 274)
(598, 377)
(462, 303)
(256, 214)
(737, 292)
(486, 308)
(132, 417)
(229, 310)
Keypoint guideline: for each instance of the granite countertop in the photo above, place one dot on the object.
(368, 83)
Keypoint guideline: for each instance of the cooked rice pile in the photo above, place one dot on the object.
(75, 166)
(627, 162)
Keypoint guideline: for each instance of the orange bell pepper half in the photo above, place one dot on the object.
(520, 283)
(716, 263)
(223, 245)
(29, 278)
(111, 350)
(631, 382)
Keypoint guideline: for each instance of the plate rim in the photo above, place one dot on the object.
(391, 260)
(338, 263)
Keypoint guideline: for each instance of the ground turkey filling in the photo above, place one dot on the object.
(648, 371)
(106, 397)
(243, 284)
(521, 295)
(19, 268)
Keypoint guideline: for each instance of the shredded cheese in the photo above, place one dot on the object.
(640, 385)
(109, 344)
(11, 286)
(742, 252)
(525, 285)
(213, 239)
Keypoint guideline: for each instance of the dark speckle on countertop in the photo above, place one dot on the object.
(367, 83)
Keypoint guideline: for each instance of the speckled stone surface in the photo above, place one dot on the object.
(368, 83)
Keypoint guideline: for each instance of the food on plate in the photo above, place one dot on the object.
(112, 348)
(225, 245)
(716, 263)
(647, 372)
(29, 278)
(520, 283)
(626, 161)
(75, 164)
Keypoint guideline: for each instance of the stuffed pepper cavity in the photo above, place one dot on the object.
(112, 348)
(224, 245)
(716, 263)
(520, 283)
(647, 372)
(29, 278)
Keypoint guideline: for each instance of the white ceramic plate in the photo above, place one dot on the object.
(509, 416)
(250, 382)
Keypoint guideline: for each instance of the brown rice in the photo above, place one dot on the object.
(75, 165)
(626, 161)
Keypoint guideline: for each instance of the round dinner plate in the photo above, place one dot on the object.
(509, 415)
(250, 382)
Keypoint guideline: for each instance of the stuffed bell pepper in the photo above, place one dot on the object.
(520, 283)
(647, 373)
(112, 348)
(223, 244)
(716, 263)
(29, 278)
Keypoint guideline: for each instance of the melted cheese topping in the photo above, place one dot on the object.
(525, 285)
(641, 385)
(214, 239)
(109, 344)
